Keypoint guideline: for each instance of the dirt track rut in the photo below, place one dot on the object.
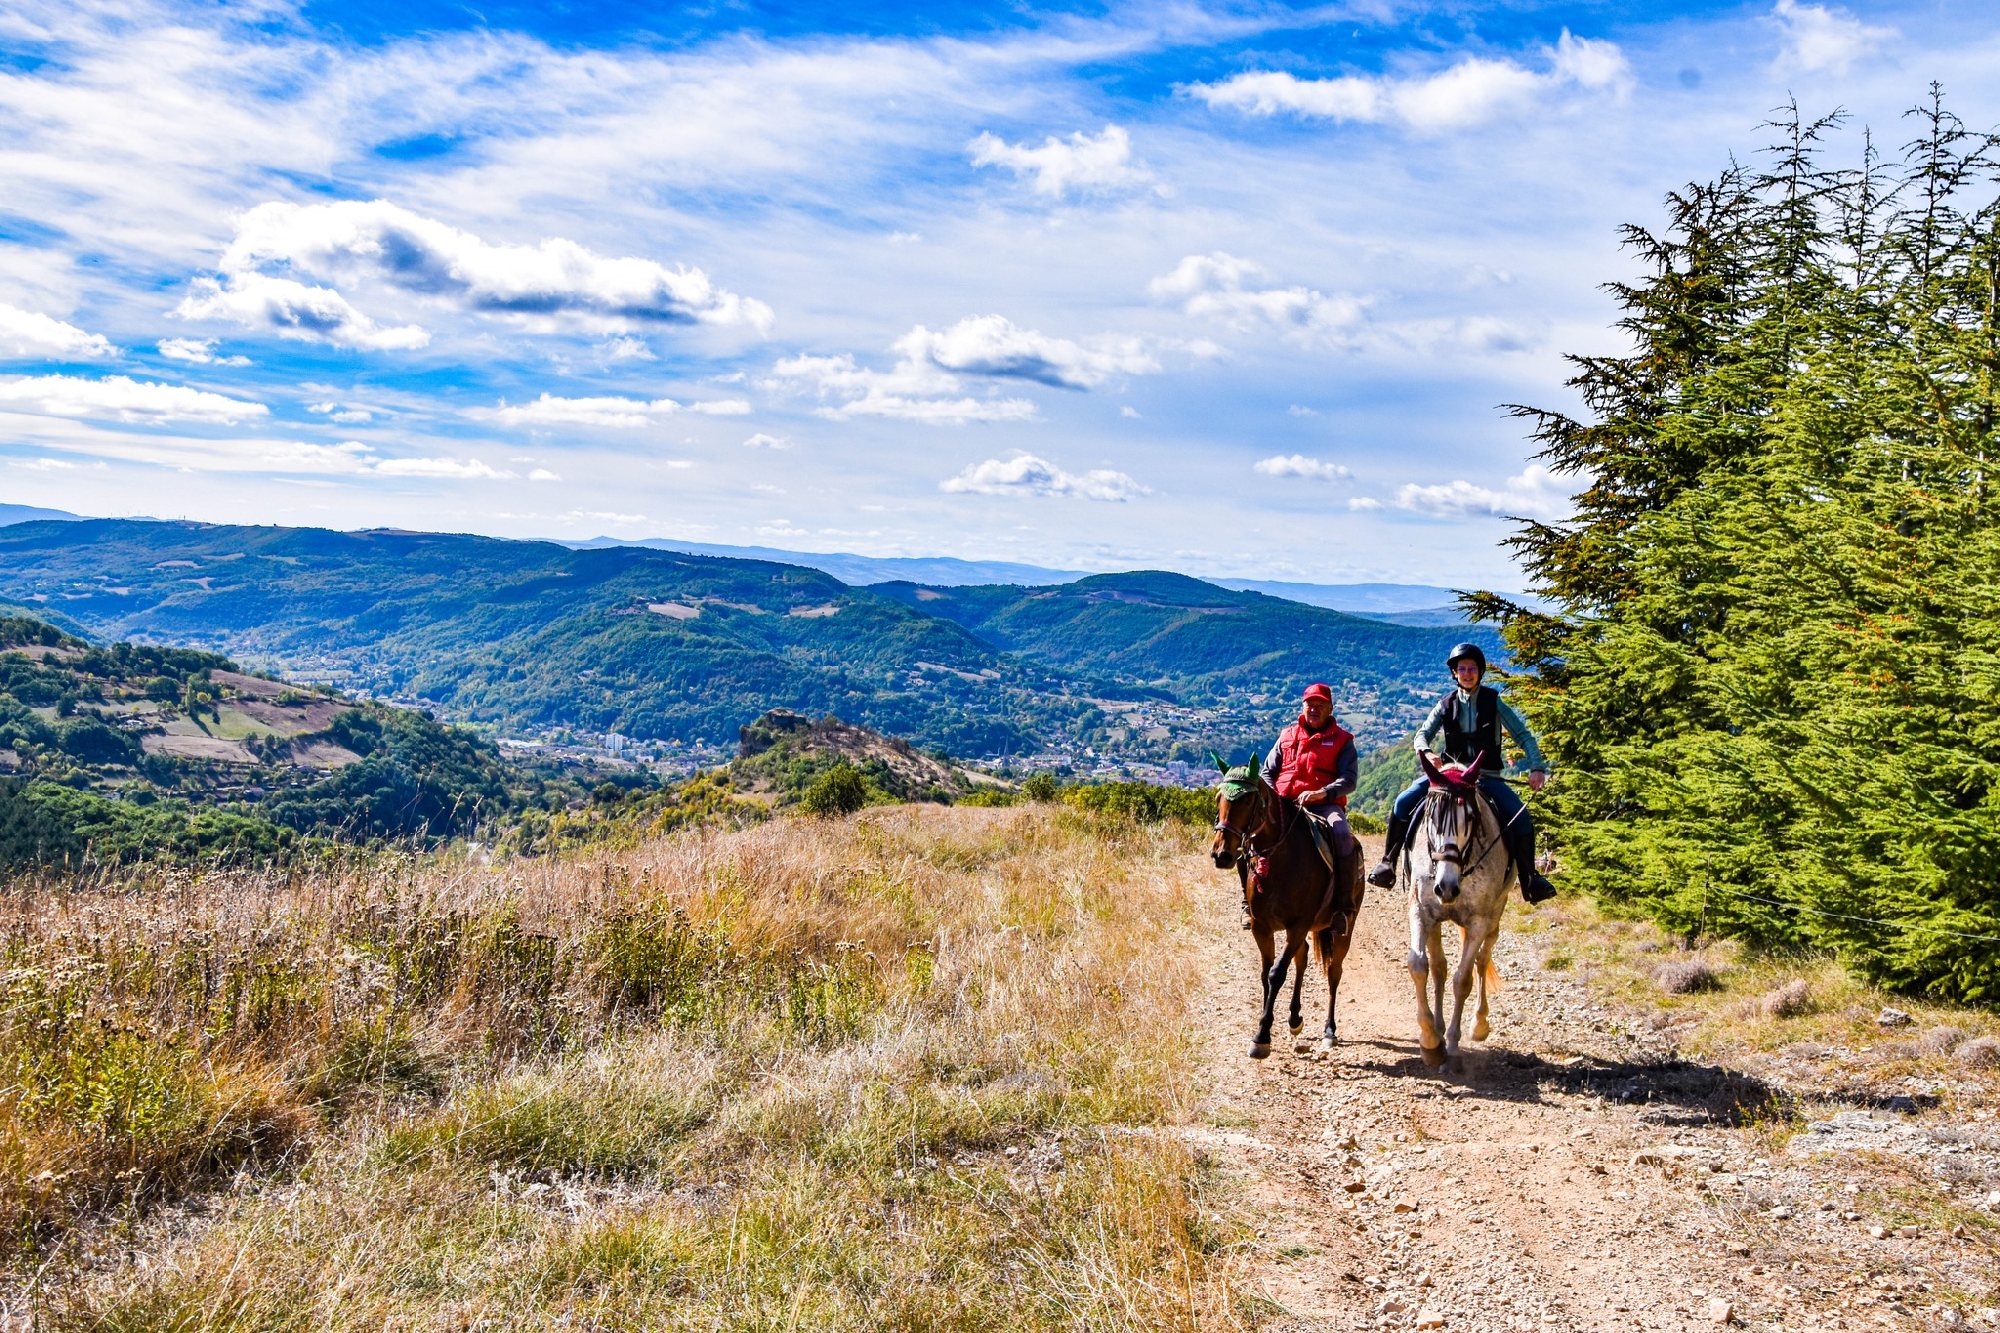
(1566, 1176)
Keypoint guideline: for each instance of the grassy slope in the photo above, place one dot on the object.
(847, 1074)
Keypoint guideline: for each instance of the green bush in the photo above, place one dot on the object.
(838, 791)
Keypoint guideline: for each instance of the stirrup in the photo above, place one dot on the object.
(1535, 888)
(1383, 874)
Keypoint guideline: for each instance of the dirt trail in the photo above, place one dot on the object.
(1567, 1176)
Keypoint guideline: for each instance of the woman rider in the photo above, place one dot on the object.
(1472, 718)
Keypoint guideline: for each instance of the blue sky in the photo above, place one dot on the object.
(1236, 290)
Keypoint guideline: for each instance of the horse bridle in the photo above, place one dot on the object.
(1464, 796)
(1246, 844)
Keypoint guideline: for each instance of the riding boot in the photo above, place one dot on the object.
(1535, 887)
(1383, 873)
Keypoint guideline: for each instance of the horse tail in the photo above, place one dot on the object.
(1492, 977)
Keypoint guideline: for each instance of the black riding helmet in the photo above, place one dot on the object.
(1465, 650)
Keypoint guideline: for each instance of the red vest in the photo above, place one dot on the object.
(1309, 760)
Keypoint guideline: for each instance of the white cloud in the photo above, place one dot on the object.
(912, 391)
(1129, 412)
(1821, 39)
(27, 334)
(1079, 163)
(610, 412)
(293, 309)
(991, 345)
(122, 398)
(623, 348)
(197, 351)
(1532, 493)
(1474, 91)
(543, 474)
(458, 469)
(1298, 465)
(45, 464)
(548, 410)
(1363, 504)
(1217, 286)
(762, 441)
(1025, 474)
(347, 416)
(554, 279)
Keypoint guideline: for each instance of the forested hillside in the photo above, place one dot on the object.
(1772, 688)
(123, 752)
(663, 645)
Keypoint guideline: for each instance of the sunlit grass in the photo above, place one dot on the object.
(831, 1074)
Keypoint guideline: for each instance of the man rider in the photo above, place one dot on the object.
(1314, 765)
(1472, 716)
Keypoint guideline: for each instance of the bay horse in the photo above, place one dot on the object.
(1287, 886)
(1456, 869)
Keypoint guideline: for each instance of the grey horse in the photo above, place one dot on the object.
(1456, 870)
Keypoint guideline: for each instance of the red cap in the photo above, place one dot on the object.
(1318, 691)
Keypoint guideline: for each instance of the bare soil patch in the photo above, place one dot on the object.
(198, 747)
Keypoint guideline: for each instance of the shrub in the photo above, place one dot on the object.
(1788, 1001)
(1040, 787)
(838, 791)
(1979, 1053)
(1690, 976)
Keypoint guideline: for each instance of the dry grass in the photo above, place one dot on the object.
(832, 1075)
(1804, 1019)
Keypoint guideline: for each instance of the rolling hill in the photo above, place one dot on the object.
(665, 645)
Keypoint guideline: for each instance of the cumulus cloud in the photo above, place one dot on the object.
(28, 334)
(1025, 474)
(548, 410)
(553, 280)
(1079, 163)
(197, 351)
(1222, 287)
(1298, 465)
(347, 416)
(1533, 493)
(762, 441)
(294, 309)
(991, 345)
(1821, 39)
(121, 398)
(458, 469)
(612, 412)
(623, 348)
(911, 391)
(1363, 504)
(1474, 91)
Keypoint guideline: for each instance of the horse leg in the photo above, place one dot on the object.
(1481, 1029)
(1469, 946)
(1297, 1017)
(1273, 975)
(1419, 961)
(1332, 956)
(1434, 949)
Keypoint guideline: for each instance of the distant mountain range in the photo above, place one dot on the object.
(659, 644)
(1399, 603)
(1382, 600)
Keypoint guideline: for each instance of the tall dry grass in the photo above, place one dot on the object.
(872, 1073)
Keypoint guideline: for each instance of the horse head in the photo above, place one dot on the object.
(1449, 815)
(1239, 814)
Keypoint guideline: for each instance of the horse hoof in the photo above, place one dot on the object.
(1297, 1026)
(1326, 1045)
(1259, 1049)
(1434, 1056)
(1482, 1030)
